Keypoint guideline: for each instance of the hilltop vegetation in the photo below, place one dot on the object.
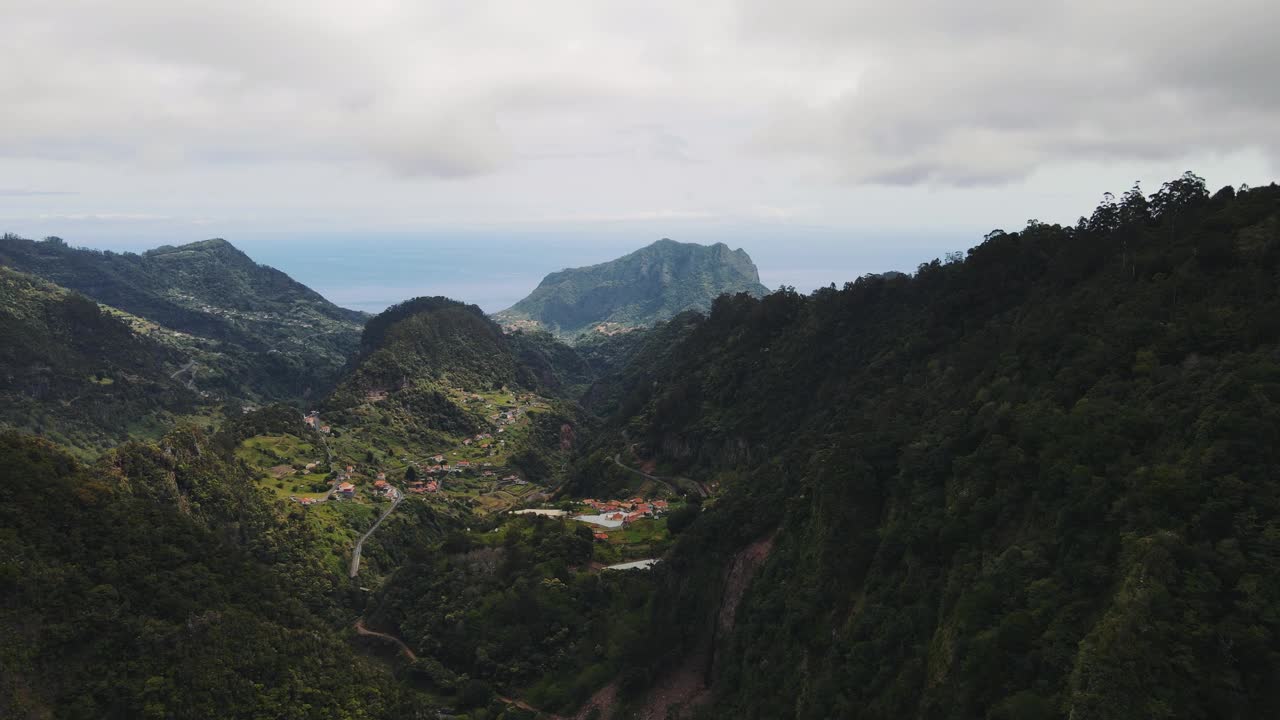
(1034, 481)
(647, 286)
(434, 339)
(269, 337)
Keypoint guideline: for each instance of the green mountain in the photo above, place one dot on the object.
(84, 376)
(433, 372)
(275, 338)
(1039, 480)
(636, 290)
(436, 339)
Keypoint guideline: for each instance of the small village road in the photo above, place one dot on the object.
(355, 554)
(670, 485)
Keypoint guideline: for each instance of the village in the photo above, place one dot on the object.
(616, 513)
(351, 476)
(474, 470)
(628, 533)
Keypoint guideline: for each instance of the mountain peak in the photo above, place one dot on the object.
(217, 246)
(646, 286)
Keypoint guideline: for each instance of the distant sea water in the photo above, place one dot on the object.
(372, 273)
(495, 270)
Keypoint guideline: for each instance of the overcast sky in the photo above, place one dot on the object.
(141, 121)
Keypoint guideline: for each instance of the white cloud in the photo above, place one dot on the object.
(400, 114)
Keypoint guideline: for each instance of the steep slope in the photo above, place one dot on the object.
(279, 338)
(639, 289)
(78, 373)
(1037, 482)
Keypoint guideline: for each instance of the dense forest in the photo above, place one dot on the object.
(158, 583)
(1035, 480)
(78, 374)
(516, 609)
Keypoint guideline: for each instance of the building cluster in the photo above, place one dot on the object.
(628, 511)
(505, 417)
(312, 420)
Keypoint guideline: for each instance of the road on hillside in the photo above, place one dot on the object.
(408, 653)
(355, 554)
(191, 381)
(362, 630)
(672, 486)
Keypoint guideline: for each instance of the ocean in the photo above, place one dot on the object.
(373, 271)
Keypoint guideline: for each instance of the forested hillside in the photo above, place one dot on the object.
(160, 583)
(649, 285)
(79, 374)
(276, 338)
(1038, 480)
(432, 338)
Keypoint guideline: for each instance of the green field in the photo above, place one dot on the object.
(265, 452)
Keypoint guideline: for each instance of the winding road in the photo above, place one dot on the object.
(362, 630)
(408, 653)
(671, 484)
(191, 367)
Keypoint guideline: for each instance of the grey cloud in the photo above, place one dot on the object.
(21, 192)
(988, 93)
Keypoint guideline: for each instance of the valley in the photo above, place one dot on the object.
(1035, 480)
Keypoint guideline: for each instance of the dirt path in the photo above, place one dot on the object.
(408, 653)
(328, 458)
(362, 630)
